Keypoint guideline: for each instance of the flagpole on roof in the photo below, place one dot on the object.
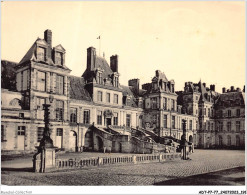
(99, 43)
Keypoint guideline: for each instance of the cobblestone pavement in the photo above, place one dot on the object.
(203, 161)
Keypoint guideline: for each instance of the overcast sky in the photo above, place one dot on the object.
(188, 41)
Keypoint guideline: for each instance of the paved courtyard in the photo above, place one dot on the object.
(203, 161)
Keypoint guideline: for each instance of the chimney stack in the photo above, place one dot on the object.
(212, 87)
(232, 88)
(114, 63)
(244, 89)
(238, 89)
(135, 83)
(223, 90)
(91, 55)
(48, 39)
(204, 84)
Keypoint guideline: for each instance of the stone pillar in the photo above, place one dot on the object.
(134, 159)
(48, 81)
(66, 85)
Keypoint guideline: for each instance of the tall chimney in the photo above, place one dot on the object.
(204, 84)
(244, 89)
(232, 88)
(212, 87)
(91, 55)
(223, 90)
(135, 83)
(48, 39)
(114, 63)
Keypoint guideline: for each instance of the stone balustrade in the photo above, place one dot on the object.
(128, 159)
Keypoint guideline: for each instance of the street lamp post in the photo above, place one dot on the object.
(184, 144)
(44, 159)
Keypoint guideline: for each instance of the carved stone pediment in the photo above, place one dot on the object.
(108, 113)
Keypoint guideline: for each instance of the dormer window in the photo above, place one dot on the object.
(59, 58)
(99, 78)
(115, 81)
(41, 53)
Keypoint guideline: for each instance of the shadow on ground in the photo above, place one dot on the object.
(234, 176)
(27, 169)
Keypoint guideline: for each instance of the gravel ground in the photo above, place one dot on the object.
(203, 161)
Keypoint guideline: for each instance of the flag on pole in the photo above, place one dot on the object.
(98, 37)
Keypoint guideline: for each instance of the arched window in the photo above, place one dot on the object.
(229, 140)
(220, 140)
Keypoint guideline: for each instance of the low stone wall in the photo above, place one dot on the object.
(128, 159)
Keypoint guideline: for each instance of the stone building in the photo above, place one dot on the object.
(95, 112)
(221, 117)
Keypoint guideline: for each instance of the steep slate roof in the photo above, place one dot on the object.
(100, 62)
(8, 75)
(230, 99)
(127, 92)
(30, 53)
(77, 89)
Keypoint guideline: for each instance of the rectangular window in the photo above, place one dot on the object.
(59, 58)
(40, 133)
(165, 103)
(73, 115)
(154, 102)
(229, 126)
(237, 126)
(3, 133)
(165, 121)
(128, 120)
(40, 102)
(41, 81)
(99, 96)
(208, 112)
(40, 111)
(209, 126)
(173, 105)
(21, 130)
(99, 117)
(220, 126)
(238, 112)
(190, 124)
(59, 110)
(59, 132)
(229, 113)
(115, 99)
(41, 53)
(99, 78)
(115, 119)
(212, 126)
(173, 122)
(108, 97)
(86, 116)
(60, 84)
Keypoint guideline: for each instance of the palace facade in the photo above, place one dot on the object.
(95, 111)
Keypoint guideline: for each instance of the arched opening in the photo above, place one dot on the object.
(191, 138)
(229, 141)
(88, 145)
(220, 140)
(73, 141)
(237, 140)
(99, 144)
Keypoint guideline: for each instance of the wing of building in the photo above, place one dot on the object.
(96, 112)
